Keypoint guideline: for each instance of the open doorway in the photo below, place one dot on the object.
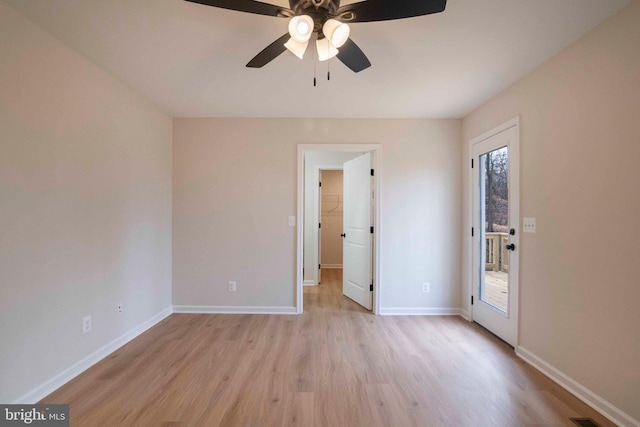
(360, 284)
(331, 203)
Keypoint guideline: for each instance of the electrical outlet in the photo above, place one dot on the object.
(119, 308)
(232, 286)
(86, 324)
(426, 287)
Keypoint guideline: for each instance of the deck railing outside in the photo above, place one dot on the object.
(497, 256)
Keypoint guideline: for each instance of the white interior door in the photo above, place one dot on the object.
(357, 237)
(495, 233)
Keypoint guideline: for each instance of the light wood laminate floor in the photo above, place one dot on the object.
(335, 365)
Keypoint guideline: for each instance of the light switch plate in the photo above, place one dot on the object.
(529, 225)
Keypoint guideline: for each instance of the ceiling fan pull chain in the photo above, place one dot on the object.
(314, 74)
(328, 70)
(315, 62)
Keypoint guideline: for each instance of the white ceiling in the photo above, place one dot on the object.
(189, 59)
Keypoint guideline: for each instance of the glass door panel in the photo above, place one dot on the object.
(494, 226)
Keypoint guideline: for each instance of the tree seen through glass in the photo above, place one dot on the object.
(497, 191)
(494, 288)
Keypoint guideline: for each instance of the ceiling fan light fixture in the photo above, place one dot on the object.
(336, 31)
(296, 47)
(325, 50)
(301, 28)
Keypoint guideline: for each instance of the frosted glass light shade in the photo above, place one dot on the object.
(301, 28)
(336, 31)
(296, 47)
(325, 49)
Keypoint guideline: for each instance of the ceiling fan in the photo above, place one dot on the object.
(328, 20)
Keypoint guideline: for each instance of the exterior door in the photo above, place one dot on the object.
(495, 233)
(357, 236)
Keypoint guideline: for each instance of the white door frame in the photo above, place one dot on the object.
(514, 183)
(375, 149)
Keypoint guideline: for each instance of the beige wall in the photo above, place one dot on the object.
(332, 182)
(580, 148)
(332, 209)
(85, 207)
(235, 186)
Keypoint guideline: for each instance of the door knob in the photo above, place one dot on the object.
(511, 247)
(343, 235)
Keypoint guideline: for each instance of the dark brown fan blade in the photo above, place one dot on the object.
(269, 53)
(385, 10)
(354, 58)
(249, 6)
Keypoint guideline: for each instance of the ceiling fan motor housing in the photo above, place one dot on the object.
(330, 6)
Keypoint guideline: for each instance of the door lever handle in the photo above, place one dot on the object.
(511, 247)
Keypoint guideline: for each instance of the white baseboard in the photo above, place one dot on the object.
(601, 405)
(465, 314)
(76, 369)
(331, 265)
(229, 309)
(309, 283)
(419, 311)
